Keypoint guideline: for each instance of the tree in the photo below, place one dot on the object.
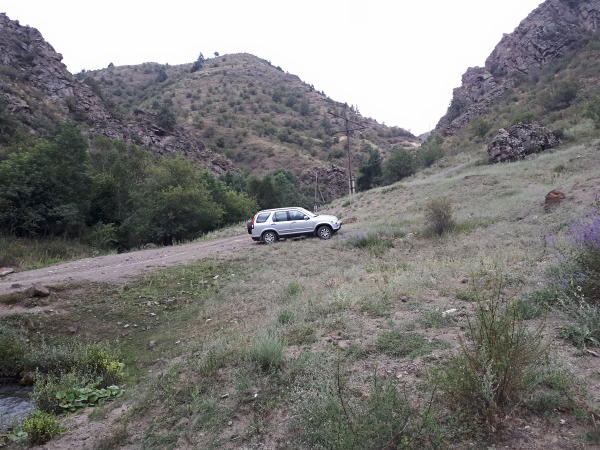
(173, 204)
(198, 63)
(46, 188)
(304, 108)
(480, 127)
(166, 118)
(162, 76)
(216, 54)
(400, 164)
(370, 171)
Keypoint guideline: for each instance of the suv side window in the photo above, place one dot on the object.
(296, 215)
(262, 218)
(280, 216)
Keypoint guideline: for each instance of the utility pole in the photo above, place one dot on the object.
(318, 189)
(316, 186)
(360, 127)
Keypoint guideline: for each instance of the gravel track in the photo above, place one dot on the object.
(120, 268)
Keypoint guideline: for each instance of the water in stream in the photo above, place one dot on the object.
(15, 404)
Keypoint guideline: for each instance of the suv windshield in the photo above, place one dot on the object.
(308, 213)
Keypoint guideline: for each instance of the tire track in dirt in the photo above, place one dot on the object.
(120, 268)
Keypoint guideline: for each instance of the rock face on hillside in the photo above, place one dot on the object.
(520, 140)
(332, 176)
(35, 64)
(551, 30)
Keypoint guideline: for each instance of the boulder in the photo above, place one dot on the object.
(553, 198)
(5, 271)
(520, 140)
(26, 379)
(149, 246)
(38, 290)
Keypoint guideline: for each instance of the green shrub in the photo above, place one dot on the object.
(267, 351)
(522, 117)
(496, 363)
(527, 309)
(430, 154)
(80, 397)
(438, 215)
(41, 427)
(370, 171)
(580, 337)
(400, 164)
(104, 236)
(480, 127)
(12, 352)
(91, 360)
(293, 288)
(286, 317)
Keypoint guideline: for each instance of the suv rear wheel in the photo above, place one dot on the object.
(324, 232)
(268, 237)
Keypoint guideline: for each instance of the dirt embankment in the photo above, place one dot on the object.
(118, 268)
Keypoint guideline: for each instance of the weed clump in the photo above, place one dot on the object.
(267, 351)
(407, 345)
(438, 215)
(293, 288)
(496, 363)
(41, 427)
(373, 242)
(333, 415)
(47, 386)
(71, 356)
(12, 351)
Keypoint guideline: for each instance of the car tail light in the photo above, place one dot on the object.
(253, 219)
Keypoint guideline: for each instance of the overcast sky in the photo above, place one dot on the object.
(398, 61)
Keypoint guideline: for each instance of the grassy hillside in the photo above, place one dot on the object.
(245, 108)
(237, 352)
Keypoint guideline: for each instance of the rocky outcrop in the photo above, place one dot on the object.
(551, 30)
(332, 177)
(520, 140)
(37, 65)
(478, 90)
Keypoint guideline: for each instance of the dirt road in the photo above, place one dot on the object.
(118, 268)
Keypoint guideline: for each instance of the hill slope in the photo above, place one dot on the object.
(543, 66)
(241, 106)
(38, 92)
(234, 111)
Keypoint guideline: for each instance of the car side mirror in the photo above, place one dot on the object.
(306, 217)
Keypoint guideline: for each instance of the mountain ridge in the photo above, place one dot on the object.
(547, 34)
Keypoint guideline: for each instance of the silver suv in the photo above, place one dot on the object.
(271, 224)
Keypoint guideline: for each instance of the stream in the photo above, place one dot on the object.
(15, 404)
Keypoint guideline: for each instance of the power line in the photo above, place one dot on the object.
(347, 130)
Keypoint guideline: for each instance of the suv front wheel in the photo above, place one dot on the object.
(268, 237)
(324, 232)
